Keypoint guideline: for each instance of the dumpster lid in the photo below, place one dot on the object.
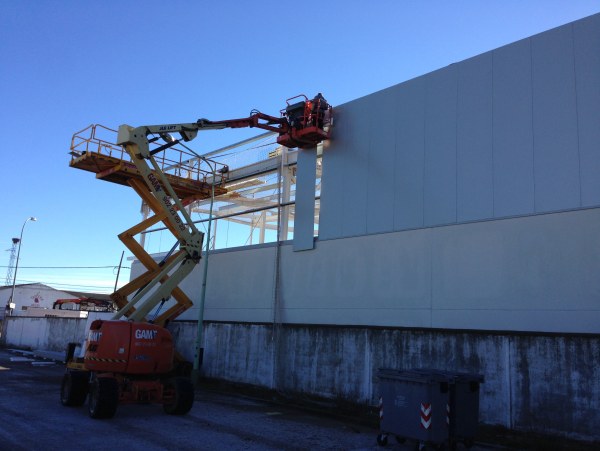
(456, 376)
(413, 375)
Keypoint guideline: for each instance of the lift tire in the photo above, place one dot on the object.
(178, 396)
(104, 398)
(74, 388)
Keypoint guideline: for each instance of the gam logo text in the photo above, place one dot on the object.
(147, 334)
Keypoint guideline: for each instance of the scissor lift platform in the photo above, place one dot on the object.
(93, 151)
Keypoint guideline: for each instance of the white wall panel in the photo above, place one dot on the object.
(586, 36)
(514, 274)
(512, 130)
(359, 279)
(356, 149)
(542, 263)
(382, 153)
(240, 285)
(410, 155)
(557, 182)
(440, 146)
(332, 180)
(533, 273)
(304, 215)
(474, 160)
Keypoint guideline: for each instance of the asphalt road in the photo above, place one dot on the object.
(32, 418)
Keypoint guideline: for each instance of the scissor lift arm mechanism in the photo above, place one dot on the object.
(303, 123)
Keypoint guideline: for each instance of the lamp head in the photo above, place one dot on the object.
(33, 218)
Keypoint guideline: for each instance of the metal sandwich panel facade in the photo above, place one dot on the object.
(586, 37)
(490, 170)
(556, 153)
(439, 190)
(474, 151)
(510, 132)
(304, 224)
(531, 273)
(382, 152)
(409, 167)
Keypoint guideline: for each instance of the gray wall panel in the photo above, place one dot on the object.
(240, 284)
(534, 273)
(382, 151)
(304, 214)
(342, 275)
(410, 155)
(541, 262)
(514, 274)
(512, 130)
(332, 180)
(524, 319)
(475, 191)
(440, 147)
(355, 163)
(586, 35)
(556, 152)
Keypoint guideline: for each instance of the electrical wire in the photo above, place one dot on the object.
(50, 285)
(68, 267)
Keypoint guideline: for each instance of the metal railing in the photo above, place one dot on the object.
(177, 162)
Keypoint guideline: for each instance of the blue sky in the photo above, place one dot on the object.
(68, 64)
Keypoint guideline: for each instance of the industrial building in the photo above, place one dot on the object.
(452, 221)
(458, 227)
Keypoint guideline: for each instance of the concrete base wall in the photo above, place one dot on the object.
(538, 383)
(542, 383)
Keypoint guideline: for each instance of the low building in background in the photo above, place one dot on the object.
(38, 299)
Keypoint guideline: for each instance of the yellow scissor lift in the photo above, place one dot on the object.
(95, 149)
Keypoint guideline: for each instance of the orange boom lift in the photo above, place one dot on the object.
(135, 361)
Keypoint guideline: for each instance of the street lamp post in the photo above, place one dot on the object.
(10, 304)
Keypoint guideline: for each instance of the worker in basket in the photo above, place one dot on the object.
(318, 109)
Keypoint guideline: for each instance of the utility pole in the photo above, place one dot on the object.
(11, 262)
(10, 305)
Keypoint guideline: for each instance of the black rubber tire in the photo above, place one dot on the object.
(74, 388)
(104, 398)
(400, 439)
(178, 396)
(183, 369)
(382, 439)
